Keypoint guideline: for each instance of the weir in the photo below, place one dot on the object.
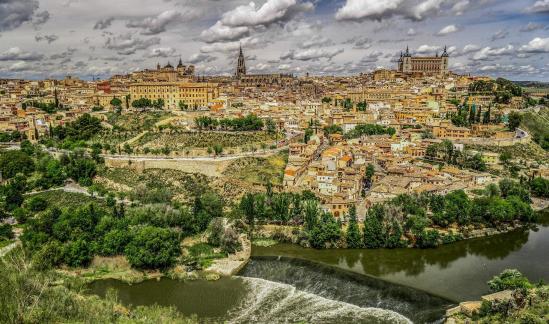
(340, 286)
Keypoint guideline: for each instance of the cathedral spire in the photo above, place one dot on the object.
(241, 64)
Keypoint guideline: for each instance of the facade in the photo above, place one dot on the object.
(427, 65)
(193, 94)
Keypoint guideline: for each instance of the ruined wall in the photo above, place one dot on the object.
(208, 168)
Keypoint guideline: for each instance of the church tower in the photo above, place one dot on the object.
(241, 65)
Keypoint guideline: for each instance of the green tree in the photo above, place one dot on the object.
(509, 279)
(13, 162)
(515, 119)
(77, 253)
(152, 247)
(540, 187)
(353, 237)
(116, 102)
(373, 227)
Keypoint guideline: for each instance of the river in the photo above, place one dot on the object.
(287, 283)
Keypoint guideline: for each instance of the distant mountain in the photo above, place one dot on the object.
(532, 84)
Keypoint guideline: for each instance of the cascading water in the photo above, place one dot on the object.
(273, 302)
(293, 290)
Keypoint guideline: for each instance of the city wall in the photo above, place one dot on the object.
(208, 168)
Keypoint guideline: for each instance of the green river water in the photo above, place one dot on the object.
(286, 283)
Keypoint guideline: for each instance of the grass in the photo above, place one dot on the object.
(259, 170)
(70, 200)
(204, 254)
(4, 243)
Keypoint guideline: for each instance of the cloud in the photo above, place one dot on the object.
(41, 18)
(531, 27)
(227, 47)
(222, 33)
(360, 10)
(162, 52)
(311, 54)
(469, 48)
(270, 12)
(127, 44)
(48, 38)
(500, 34)
(539, 6)
(448, 30)
(103, 23)
(201, 58)
(316, 41)
(158, 24)
(20, 66)
(371, 57)
(13, 13)
(16, 54)
(427, 49)
(459, 7)
(64, 55)
(411, 32)
(488, 53)
(536, 45)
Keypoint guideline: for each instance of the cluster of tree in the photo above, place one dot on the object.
(47, 107)
(144, 103)
(445, 151)
(528, 302)
(82, 129)
(369, 129)
(413, 218)
(31, 169)
(281, 208)
(469, 115)
(249, 123)
(502, 89)
(333, 129)
(14, 136)
(149, 236)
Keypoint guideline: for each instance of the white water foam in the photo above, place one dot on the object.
(273, 302)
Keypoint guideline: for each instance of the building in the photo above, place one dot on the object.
(192, 94)
(427, 65)
(260, 80)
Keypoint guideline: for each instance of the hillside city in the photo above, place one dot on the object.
(167, 173)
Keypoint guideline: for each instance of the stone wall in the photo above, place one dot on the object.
(209, 168)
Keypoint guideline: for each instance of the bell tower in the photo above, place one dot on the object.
(241, 65)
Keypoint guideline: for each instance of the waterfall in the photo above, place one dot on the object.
(273, 302)
(295, 289)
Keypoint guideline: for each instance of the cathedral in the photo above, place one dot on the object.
(426, 65)
(259, 80)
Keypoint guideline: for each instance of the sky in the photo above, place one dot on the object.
(98, 38)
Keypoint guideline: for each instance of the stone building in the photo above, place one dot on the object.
(426, 65)
(193, 94)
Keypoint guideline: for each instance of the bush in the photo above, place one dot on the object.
(77, 253)
(153, 247)
(114, 242)
(6, 232)
(509, 279)
(428, 239)
(37, 204)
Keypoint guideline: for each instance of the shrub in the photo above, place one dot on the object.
(428, 239)
(509, 279)
(152, 247)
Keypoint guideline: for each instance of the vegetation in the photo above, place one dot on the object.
(369, 129)
(528, 302)
(538, 126)
(14, 136)
(445, 151)
(249, 123)
(29, 295)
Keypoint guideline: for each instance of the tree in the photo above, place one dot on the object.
(373, 228)
(77, 253)
(515, 119)
(218, 149)
(116, 102)
(247, 205)
(114, 242)
(271, 126)
(13, 162)
(325, 231)
(311, 214)
(182, 105)
(152, 247)
(540, 187)
(353, 237)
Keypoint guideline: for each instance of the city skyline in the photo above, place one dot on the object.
(50, 39)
